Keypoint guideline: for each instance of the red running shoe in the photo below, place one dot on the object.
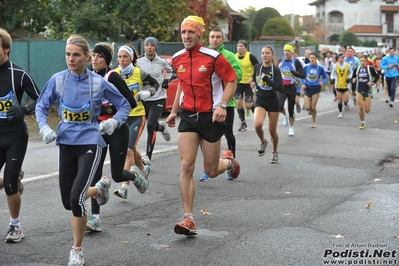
(186, 227)
(234, 171)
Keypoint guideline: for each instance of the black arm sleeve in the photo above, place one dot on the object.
(375, 75)
(253, 59)
(300, 73)
(29, 86)
(354, 73)
(30, 108)
(153, 82)
(256, 68)
(278, 80)
(120, 84)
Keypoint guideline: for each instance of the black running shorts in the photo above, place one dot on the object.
(202, 124)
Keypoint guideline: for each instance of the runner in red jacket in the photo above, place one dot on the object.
(207, 84)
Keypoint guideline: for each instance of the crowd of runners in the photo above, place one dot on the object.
(109, 108)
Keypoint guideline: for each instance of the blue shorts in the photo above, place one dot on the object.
(298, 91)
(312, 90)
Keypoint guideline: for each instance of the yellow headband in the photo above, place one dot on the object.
(288, 47)
(195, 24)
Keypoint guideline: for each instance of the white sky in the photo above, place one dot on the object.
(299, 7)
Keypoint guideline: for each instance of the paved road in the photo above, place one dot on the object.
(309, 209)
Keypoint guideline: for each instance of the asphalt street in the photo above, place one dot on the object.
(331, 200)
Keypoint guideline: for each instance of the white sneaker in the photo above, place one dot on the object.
(347, 107)
(165, 132)
(291, 132)
(340, 115)
(103, 194)
(14, 234)
(285, 121)
(146, 160)
(274, 158)
(121, 192)
(93, 224)
(146, 171)
(76, 258)
(140, 182)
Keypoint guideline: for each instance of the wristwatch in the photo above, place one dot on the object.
(223, 105)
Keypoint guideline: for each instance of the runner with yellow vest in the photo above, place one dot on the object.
(247, 63)
(134, 77)
(341, 74)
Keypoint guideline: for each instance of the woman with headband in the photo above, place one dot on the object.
(291, 70)
(101, 59)
(134, 78)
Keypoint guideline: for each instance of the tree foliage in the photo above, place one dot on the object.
(154, 18)
(245, 30)
(307, 40)
(372, 43)
(25, 14)
(250, 12)
(122, 20)
(93, 19)
(241, 31)
(262, 17)
(348, 38)
(277, 27)
(334, 39)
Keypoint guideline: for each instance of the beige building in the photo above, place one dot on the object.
(369, 19)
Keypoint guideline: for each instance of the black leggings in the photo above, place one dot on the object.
(117, 142)
(231, 139)
(289, 94)
(12, 153)
(153, 111)
(77, 167)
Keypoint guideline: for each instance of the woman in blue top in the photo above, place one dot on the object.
(315, 78)
(390, 63)
(79, 93)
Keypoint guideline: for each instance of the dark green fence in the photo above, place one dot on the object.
(44, 58)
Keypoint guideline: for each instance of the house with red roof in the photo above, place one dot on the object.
(369, 19)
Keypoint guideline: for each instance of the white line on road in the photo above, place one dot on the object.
(40, 177)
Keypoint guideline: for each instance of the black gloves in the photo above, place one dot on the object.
(267, 79)
(332, 81)
(16, 113)
(348, 80)
(271, 83)
(108, 110)
(165, 84)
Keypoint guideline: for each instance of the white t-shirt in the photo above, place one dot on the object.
(328, 64)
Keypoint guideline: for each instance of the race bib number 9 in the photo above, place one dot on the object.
(5, 105)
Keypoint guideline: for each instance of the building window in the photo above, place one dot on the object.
(336, 17)
(389, 21)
